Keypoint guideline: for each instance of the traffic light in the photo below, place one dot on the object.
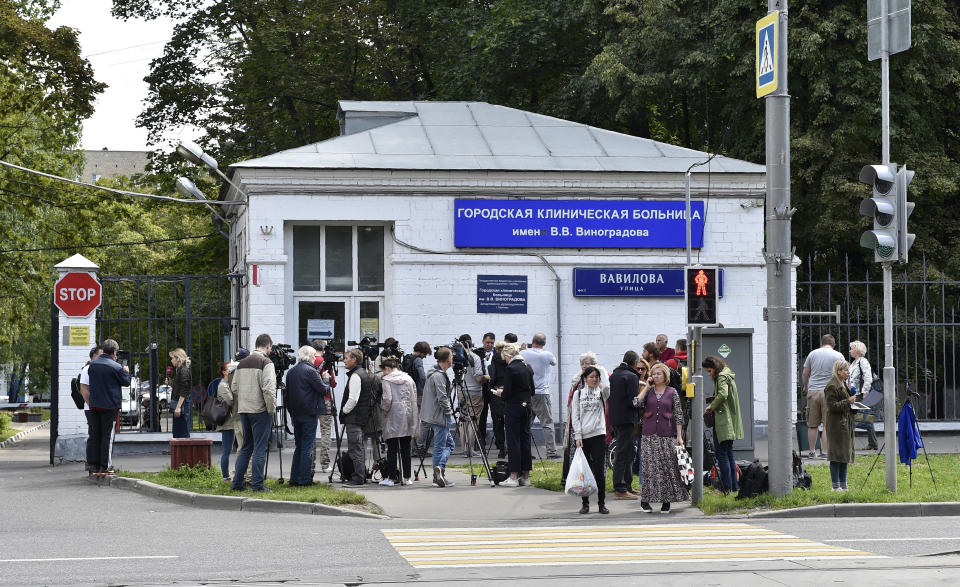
(700, 293)
(882, 207)
(904, 210)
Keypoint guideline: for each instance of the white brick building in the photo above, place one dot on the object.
(361, 228)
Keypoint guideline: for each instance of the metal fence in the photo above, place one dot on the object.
(925, 312)
(150, 315)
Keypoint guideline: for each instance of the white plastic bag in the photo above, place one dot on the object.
(580, 481)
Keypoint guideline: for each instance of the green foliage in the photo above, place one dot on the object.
(6, 419)
(207, 480)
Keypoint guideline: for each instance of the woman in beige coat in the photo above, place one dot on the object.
(401, 420)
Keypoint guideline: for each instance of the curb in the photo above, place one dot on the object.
(229, 502)
(866, 510)
(16, 437)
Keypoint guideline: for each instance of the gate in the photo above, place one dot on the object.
(925, 323)
(150, 315)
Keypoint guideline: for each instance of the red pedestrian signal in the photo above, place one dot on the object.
(701, 295)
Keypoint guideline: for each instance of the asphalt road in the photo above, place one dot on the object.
(57, 528)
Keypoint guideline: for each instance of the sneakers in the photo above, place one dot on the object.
(624, 495)
(552, 455)
(812, 454)
(438, 480)
(408, 481)
(387, 483)
(524, 481)
(645, 507)
(510, 482)
(665, 507)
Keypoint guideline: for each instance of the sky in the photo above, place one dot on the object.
(120, 53)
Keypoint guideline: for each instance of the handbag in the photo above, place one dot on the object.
(580, 480)
(709, 418)
(685, 464)
(215, 411)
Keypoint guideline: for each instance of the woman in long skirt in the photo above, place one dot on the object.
(662, 432)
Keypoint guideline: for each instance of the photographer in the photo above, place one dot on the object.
(105, 377)
(436, 410)
(326, 363)
(471, 402)
(306, 390)
(358, 399)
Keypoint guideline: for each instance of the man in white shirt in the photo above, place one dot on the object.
(540, 360)
(817, 372)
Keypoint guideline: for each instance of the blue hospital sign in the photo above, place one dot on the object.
(766, 54)
(659, 224)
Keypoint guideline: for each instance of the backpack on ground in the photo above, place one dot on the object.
(801, 479)
(75, 392)
(501, 471)
(753, 481)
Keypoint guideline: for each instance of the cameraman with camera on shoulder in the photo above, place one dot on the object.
(436, 410)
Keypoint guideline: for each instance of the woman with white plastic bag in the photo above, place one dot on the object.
(590, 432)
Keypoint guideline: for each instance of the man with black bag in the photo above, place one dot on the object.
(624, 389)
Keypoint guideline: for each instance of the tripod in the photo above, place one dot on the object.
(277, 428)
(470, 419)
(916, 429)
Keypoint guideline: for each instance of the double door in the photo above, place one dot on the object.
(349, 318)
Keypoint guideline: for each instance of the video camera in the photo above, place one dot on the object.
(368, 346)
(282, 356)
(330, 358)
(460, 354)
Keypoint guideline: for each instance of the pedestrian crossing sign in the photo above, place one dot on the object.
(766, 53)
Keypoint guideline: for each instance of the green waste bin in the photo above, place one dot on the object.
(802, 437)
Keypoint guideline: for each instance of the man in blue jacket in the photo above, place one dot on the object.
(304, 397)
(106, 376)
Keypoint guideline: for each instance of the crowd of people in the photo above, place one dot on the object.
(637, 406)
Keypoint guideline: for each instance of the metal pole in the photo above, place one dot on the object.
(889, 371)
(889, 381)
(696, 428)
(779, 260)
(54, 378)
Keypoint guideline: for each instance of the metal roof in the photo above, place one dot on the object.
(482, 136)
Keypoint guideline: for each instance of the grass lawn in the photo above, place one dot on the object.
(207, 480)
(946, 470)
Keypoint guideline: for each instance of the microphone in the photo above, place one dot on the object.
(169, 370)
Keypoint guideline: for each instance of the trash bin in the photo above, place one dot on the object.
(189, 452)
(802, 443)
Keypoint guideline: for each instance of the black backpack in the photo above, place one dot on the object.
(801, 479)
(75, 392)
(875, 385)
(753, 481)
(501, 471)
(676, 381)
(409, 366)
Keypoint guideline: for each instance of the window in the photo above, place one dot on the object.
(336, 258)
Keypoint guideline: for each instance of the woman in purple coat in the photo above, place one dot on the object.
(662, 431)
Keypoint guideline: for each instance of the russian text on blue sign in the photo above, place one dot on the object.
(631, 282)
(501, 294)
(576, 223)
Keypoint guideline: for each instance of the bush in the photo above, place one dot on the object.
(6, 418)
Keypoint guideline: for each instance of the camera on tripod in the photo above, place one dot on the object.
(282, 356)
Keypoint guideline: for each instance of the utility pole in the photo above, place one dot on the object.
(778, 252)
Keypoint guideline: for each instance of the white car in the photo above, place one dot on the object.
(129, 407)
(163, 395)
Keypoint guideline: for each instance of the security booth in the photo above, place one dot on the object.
(735, 347)
(426, 220)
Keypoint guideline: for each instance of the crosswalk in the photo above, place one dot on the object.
(578, 545)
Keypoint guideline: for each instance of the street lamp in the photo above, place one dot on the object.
(192, 152)
(188, 189)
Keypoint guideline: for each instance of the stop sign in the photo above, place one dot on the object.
(77, 294)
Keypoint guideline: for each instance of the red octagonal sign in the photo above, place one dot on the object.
(77, 294)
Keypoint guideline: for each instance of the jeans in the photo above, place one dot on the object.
(623, 458)
(256, 442)
(838, 473)
(443, 444)
(182, 425)
(540, 407)
(728, 465)
(100, 434)
(398, 448)
(304, 433)
(227, 438)
(516, 423)
(354, 434)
